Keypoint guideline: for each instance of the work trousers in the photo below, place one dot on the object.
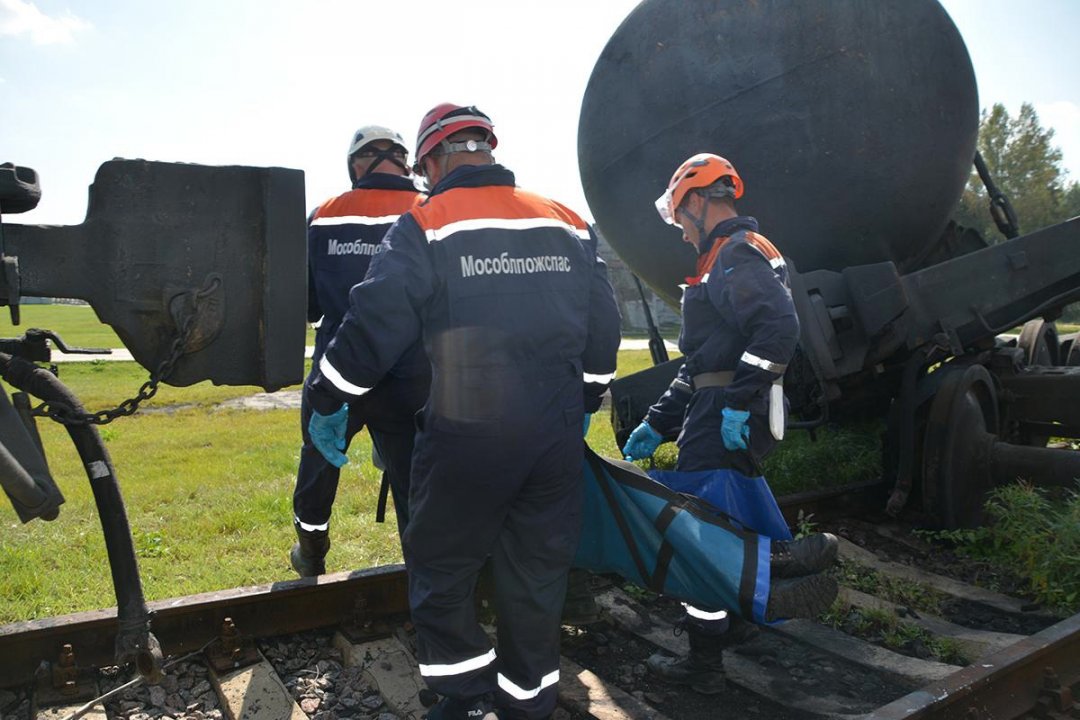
(389, 415)
(516, 499)
(701, 445)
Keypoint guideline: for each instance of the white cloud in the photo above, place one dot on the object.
(1064, 117)
(19, 17)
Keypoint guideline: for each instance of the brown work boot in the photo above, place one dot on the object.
(805, 556)
(801, 597)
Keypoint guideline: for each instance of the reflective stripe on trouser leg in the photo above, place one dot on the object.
(455, 515)
(531, 562)
(709, 622)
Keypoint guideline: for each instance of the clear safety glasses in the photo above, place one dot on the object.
(663, 207)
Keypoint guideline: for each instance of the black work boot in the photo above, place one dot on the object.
(801, 597)
(580, 607)
(477, 708)
(308, 554)
(805, 556)
(702, 669)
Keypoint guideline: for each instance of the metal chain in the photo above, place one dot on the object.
(64, 414)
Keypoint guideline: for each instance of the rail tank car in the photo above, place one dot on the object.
(853, 125)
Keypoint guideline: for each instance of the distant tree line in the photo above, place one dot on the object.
(1026, 166)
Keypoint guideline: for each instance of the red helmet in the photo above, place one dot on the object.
(699, 171)
(444, 120)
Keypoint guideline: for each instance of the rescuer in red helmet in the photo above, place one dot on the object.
(520, 322)
(738, 334)
(344, 234)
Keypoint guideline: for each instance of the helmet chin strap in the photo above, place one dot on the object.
(699, 224)
(386, 156)
(380, 157)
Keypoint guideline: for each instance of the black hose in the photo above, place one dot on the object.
(134, 641)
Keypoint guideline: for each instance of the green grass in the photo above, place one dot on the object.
(885, 628)
(209, 509)
(103, 384)
(77, 325)
(1034, 533)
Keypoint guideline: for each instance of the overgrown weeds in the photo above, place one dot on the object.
(884, 628)
(1034, 533)
(896, 590)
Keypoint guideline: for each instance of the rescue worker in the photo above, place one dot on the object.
(738, 334)
(520, 322)
(344, 234)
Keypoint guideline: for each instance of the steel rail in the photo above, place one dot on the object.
(186, 623)
(1001, 686)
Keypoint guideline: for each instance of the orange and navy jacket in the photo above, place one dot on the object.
(507, 291)
(737, 315)
(344, 234)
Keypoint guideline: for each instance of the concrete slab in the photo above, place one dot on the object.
(390, 668)
(58, 713)
(255, 693)
(584, 692)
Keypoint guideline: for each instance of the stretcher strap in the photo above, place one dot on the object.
(667, 550)
(384, 490)
(603, 482)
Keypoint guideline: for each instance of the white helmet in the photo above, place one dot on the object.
(372, 133)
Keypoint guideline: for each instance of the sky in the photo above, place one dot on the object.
(286, 82)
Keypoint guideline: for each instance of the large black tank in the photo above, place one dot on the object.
(852, 123)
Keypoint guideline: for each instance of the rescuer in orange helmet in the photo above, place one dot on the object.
(726, 403)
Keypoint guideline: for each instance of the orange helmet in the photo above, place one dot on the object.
(699, 171)
(444, 120)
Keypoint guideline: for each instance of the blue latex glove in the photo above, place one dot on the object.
(735, 431)
(585, 425)
(328, 434)
(642, 443)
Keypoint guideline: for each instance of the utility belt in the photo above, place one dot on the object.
(719, 378)
(722, 378)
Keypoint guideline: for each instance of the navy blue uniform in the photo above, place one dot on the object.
(738, 316)
(520, 322)
(344, 234)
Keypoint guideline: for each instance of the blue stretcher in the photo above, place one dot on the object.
(653, 534)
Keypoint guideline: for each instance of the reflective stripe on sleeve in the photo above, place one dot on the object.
(330, 373)
(355, 220)
(459, 667)
(762, 363)
(309, 527)
(519, 693)
(777, 263)
(438, 234)
(601, 379)
(704, 615)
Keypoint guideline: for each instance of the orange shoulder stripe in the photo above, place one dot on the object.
(492, 202)
(762, 245)
(369, 203)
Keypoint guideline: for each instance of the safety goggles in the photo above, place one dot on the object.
(663, 207)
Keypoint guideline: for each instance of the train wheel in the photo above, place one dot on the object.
(956, 455)
(1039, 341)
(1071, 350)
(1041, 345)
